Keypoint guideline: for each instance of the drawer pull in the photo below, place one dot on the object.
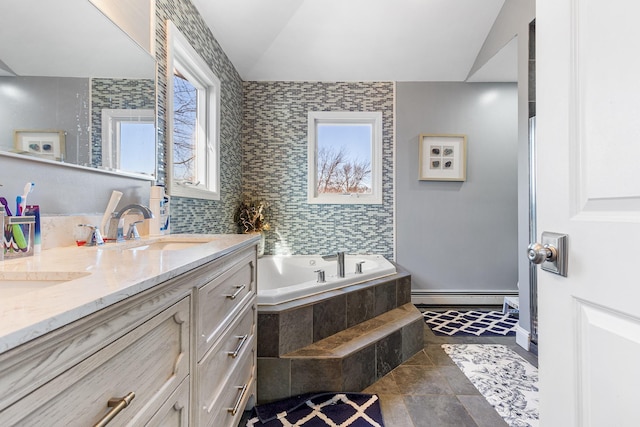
(235, 408)
(236, 293)
(117, 405)
(243, 339)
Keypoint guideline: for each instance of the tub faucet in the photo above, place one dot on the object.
(337, 257)
(116, 226)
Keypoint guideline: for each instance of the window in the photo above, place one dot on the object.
(193, 93)
(128, 136)
(345, 157)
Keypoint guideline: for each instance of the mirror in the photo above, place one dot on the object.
(75, 88)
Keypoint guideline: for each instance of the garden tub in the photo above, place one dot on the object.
(287, 278)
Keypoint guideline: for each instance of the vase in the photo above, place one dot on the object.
(260, 242)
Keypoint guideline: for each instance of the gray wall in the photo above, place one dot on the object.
(513, 20)
(66, 189)
(459, 236)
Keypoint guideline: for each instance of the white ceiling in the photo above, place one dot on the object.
(357, 40)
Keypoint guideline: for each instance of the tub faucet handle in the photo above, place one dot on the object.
(359, 267)
(320, 276)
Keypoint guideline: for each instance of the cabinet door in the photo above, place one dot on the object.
(150, 361)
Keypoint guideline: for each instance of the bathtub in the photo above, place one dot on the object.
(286, 278)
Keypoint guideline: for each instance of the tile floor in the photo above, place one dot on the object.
(429, 390)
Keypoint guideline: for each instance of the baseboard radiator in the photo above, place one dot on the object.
(420, 297)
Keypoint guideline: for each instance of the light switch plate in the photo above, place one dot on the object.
(560, 242)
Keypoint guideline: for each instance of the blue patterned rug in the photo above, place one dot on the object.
(504, 378)
(472, 322)
(321, 410)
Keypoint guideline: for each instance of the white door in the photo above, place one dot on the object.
(588, 139)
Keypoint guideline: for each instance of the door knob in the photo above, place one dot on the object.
(538, 253)
(551, 253)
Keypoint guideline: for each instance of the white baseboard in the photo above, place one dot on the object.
(459, 299)
(523, 337)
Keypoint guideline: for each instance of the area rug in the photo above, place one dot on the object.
(321, 410)
(506, 380)
(471, 322)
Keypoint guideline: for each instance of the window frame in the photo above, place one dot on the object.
(112, 118)
(183, 56)
(374, 118)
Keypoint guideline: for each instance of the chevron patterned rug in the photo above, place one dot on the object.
(472, 322)
(321, 410)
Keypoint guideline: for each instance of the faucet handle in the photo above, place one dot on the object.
(95, 239)
(321, 278)
(133, 231)
(359, 267)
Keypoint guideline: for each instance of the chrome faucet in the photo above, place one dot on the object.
(116, 225)
(337, 257)
(95, 238)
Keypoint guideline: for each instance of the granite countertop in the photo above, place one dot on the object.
(44, 292)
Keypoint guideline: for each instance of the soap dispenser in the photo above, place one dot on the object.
(156, 204)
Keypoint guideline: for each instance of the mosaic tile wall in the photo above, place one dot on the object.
(274, 140)
(196, 215)
(114, 94)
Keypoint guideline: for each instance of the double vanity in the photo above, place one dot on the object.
(153, 332)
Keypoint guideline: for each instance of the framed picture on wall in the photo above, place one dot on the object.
(443, 157)
(48, 144)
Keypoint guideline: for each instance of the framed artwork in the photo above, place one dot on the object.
(48, 144)
(443, 157)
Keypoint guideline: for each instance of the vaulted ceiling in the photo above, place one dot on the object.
(357, 40)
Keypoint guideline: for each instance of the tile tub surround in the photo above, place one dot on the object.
(286, 327)
(340, 341)
(274, 144)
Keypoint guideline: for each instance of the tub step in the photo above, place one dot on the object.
(349, 360)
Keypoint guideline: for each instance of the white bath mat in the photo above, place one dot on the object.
(504, 378)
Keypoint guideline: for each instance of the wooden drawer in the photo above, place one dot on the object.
(234, 393)
(151, 361)
(175, 411)
(219, 364)
(221, 299)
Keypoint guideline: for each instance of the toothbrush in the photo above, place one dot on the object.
(4, 203)
(28, 188)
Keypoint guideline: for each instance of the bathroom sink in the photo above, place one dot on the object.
(19, 282)
(166, 243)
(166, 246)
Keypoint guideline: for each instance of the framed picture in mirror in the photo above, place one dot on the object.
(443, 157)
(48, 144)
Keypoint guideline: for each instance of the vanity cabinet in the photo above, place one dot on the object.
(183, 352)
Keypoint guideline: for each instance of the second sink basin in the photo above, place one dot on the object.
(166, 246)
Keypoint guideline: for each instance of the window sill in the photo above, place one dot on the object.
(193, 193)
(345, 199)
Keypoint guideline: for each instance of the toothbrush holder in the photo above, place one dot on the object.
(18, 236)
